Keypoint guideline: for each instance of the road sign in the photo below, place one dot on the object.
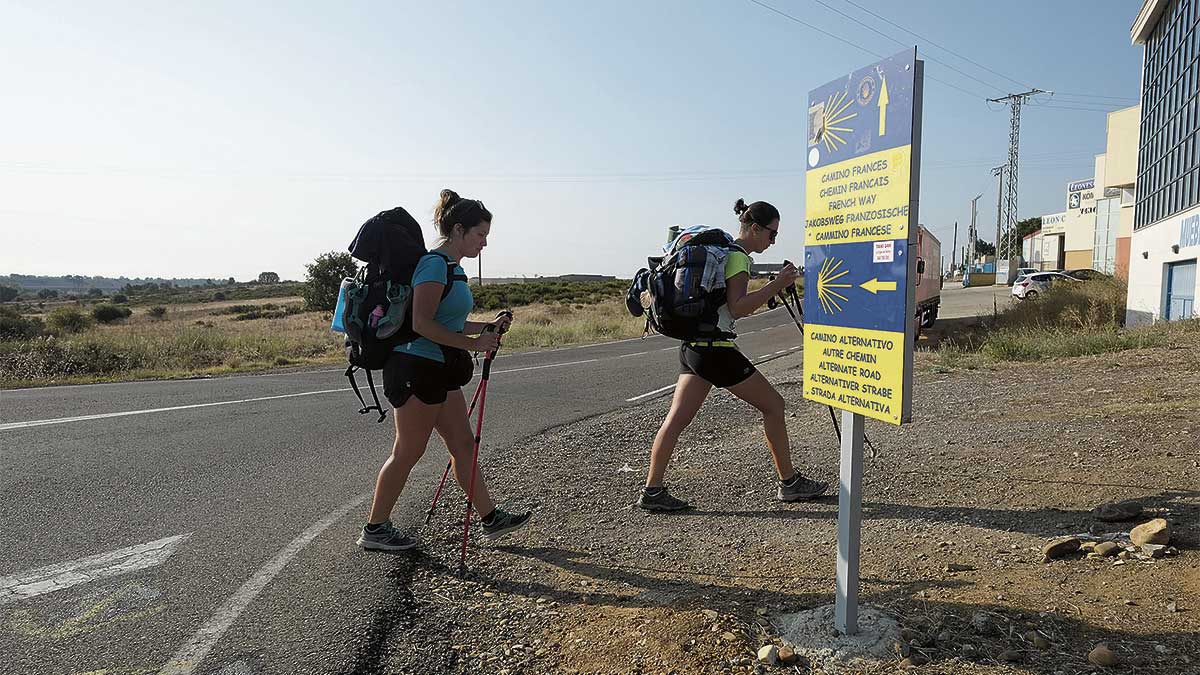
(863, 155)
(864, 151)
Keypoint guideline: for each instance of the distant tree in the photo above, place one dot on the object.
(120, 298)
(268, 278)
(984, 248)
(110, 313)
(8, 293)
(1028, 226)
(324, 278)
(95, 293)
(158, 312)
(67, 320)
(231, 281)
(47, 293)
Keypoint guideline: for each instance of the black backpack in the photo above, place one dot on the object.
(671, 293)
(377, 311)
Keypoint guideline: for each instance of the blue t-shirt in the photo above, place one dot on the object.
(451, 313)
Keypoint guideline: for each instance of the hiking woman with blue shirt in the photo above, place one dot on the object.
(423, 380)
(704, 364)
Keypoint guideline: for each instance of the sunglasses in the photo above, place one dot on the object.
(774, 233)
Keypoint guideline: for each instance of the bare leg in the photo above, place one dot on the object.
(690, 393)
(455, 429)
(758, 392)
(414, 424)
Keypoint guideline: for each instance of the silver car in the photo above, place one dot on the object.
(1028, 286)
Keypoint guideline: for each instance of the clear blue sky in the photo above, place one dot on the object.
(224, 139)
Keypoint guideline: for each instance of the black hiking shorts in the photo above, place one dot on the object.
(406, 375)
(721, 367)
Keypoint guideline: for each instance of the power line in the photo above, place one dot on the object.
(889, 37)
(943, 48)
(855, 45)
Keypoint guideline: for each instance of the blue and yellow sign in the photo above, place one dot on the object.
(861, 216)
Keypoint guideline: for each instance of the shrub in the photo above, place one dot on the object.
(120, 298)
(324, 279)
(67, 320)
(13, 326)
(218, 296)
(158, 312)
(110, 313)
(8, 293)
(95, 293)
(46, 294)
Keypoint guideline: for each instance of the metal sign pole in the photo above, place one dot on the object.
(845, 610)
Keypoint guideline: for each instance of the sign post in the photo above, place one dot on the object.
(862, 183)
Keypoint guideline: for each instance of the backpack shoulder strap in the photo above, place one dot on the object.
(451, 277)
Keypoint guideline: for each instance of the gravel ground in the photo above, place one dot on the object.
(957, 508)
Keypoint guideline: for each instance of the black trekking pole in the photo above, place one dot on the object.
(788, 297)
(480, 388)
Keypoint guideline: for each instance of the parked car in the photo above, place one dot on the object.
(1021, 271)
(1087, 274)
(1030, 285)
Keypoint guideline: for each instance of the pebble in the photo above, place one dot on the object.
(1108, 548)
(768, 654)
(1010, 655)
(1061, 547)
(1156, 531)
(728, 637)
(1172, 607)
(1102, 656)
(788, 656)
(1118, 511)
(1154, 550)
(710, 614)
(955, 567)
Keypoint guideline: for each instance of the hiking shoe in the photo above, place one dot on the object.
(800, 488)
(660, 500)
(504, 522)
(385, 538)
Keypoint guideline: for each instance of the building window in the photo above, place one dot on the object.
(1168, 152)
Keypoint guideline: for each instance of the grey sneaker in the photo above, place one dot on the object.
(660, 500)
(504, 522)
(385, 538)
(800, 488)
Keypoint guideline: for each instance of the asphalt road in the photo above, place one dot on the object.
(207, 525)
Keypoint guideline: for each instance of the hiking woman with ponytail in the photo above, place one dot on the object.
(423, 380)
(704, 364)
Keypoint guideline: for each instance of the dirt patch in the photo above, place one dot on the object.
(957, 507)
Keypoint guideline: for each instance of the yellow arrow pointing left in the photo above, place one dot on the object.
(875, 285)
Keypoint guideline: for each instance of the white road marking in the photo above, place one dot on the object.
(35, 582)
(83, 418)
(650, 393)
(190, 656)
(761, 359)
(625, 356)
(548, 365)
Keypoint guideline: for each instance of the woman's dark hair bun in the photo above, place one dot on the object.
(446, 201)
(739, 207)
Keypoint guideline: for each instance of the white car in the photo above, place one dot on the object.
(1028, 286)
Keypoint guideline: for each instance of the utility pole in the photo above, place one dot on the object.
(480, 261)
(972, 234)
(954, 249)
(1014, 102)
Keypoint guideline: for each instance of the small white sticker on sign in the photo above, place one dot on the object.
(885, 251)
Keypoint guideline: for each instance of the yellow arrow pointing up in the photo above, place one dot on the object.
(883, 103)
(875, 285)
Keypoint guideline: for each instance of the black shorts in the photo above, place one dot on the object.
(405, 375)
(719, 366)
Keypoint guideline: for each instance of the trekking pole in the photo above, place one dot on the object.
(483, 386)
(438, 493)
(474, 399)
(799, 321)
